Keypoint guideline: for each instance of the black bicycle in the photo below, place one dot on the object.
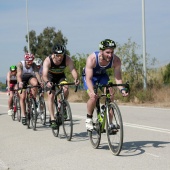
(41, 106)
(63, 114)
(31, 107)
(110, 121)
(16, 106)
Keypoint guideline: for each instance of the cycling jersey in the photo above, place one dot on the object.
(57, 69)
(99, 72)
(27, 73)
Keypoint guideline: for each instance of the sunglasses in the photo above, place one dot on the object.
(58, 55)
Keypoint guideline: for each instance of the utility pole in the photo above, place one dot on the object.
(27, 26)
(144, 45)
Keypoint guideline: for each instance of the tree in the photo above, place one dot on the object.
(166, 75)
(41, 45)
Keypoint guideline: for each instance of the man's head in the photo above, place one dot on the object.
(38, 62)
(59, 51)
(107, 47)
(28, 57)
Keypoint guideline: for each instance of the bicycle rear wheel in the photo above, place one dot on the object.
(95, 134)
(33, 114)
(67, 121)
(114, 133)
(56, 130)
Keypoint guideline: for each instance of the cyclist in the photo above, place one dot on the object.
(53, 72)
(95, 72)
(11, 85)
(38, 63)
(27, 73)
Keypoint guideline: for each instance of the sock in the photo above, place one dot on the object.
(89, 116)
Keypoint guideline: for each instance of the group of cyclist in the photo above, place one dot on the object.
(34, 71)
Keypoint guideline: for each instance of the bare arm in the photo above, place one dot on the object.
(70, 64)
(19, 72)
(90, 64)
(46, 66)
(8, 80)
(117, 71)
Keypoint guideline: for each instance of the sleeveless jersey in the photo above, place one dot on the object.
(57, 69)
(99, 70)
(27, 72)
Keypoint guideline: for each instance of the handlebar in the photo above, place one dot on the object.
(63, 84)
(110, 84)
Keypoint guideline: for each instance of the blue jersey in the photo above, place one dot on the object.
(99, 73)
(98, 70)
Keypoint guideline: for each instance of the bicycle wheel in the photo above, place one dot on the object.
(14, 108)
(55, 131)
(67, 121)
(42, 107)
(33, 114)
(95, 134)
(18, 109)
(114, 133)
(28, 113)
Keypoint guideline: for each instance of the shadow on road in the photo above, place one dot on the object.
(138, 147)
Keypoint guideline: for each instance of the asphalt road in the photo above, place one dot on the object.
(146, 143)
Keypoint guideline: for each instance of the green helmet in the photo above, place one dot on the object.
(107, 43)
(13, 68)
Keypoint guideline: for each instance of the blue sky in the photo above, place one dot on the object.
(85, 23)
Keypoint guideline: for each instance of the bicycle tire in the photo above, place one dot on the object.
(42, 107)
(56, 130)
(67, 121)
(95, 134)
(18, 109)
(33, 114)
(115, 136)
(13, 109)
(28, 113)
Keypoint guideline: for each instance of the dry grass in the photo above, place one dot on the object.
(161, 98)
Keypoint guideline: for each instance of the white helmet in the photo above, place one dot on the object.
(38, 61)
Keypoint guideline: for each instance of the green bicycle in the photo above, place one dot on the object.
(111, 120)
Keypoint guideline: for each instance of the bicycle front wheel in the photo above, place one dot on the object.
(42, 107)
(33, 114)
(14, 108)
(18, 109)
(67, 121)
(114, 128)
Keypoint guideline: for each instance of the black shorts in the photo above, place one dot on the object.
(55, 79)
(26, 79)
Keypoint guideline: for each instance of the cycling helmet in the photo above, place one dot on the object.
(29, 57)
(13, 68)
(107, 43)
(59, 49)
(38, 61)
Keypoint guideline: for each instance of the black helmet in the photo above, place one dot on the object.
(107, 43)
(59, 49)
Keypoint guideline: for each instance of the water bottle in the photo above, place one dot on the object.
(103, 108)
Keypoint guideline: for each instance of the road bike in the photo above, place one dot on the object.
(31, 107)
(41, 106)
(16, 109)
(110, 121)
(63, 114)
